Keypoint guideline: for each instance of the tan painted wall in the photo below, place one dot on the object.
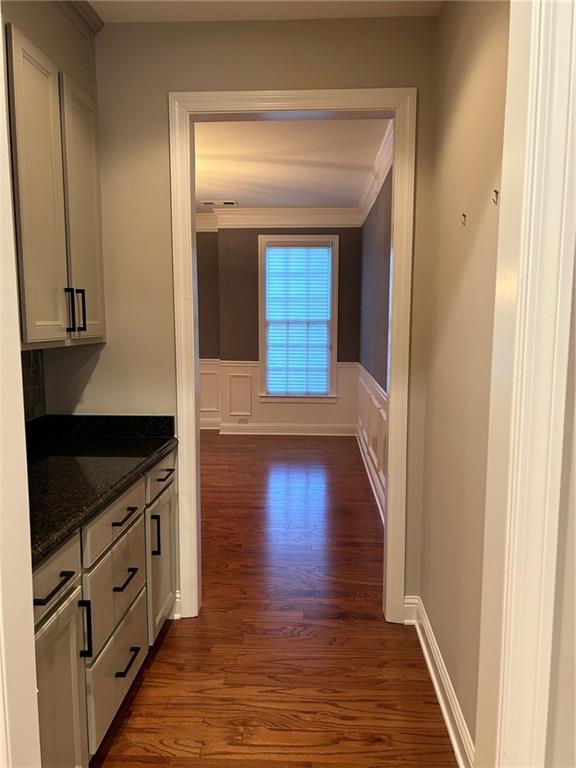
(472, 53)
(137, 66)
(561, 746)
(48, 26)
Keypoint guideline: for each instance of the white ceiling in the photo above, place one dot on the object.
(114, 11)
(286, 164)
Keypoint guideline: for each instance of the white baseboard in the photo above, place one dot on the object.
(176, 612)
(415, 613)
(376, 487)
(287, 429)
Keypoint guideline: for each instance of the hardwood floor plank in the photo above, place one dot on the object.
(290, 664)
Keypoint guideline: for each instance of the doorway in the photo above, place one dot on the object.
(398, 105)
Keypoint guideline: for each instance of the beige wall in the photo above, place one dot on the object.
(472, 52)
(137, 66)
(52, 30)
(561, 746)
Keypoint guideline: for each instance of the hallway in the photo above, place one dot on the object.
(291, 662)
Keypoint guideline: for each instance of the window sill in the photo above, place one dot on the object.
(313, 399)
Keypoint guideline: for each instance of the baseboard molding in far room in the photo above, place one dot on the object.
(285, 429)
(415, 613)
(374, 482)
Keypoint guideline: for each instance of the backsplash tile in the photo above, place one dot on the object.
(33, 381)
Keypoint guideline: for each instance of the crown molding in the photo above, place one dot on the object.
(380, 169)
(82, 15)
(263, 218)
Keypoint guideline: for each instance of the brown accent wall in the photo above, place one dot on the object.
(376, 285)
(208, 294)
(238, 289)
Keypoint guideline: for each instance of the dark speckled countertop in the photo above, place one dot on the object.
(77, 465)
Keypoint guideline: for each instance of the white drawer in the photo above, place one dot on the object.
(158, 478)
(111, 523)
(114, 582)
(53, 579)
(113, 672)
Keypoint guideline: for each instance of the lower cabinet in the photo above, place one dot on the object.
(111, 675)
(161, 557)
(62, 687)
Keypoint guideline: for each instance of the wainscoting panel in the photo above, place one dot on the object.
(372, 433)
(236, 388)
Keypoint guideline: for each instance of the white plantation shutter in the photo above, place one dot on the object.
(298, 308)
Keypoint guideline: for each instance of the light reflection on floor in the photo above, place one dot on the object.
(296, 502)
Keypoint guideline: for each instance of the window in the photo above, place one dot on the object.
(298, 314)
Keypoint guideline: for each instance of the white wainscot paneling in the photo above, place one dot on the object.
(210, 394)
(372, 433)
(243, 411)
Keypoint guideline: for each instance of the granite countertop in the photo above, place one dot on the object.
(78, 465)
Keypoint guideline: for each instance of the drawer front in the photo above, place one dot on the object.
(112, 674)
(53, 579)
(160, 477)
(111, 523)
(114, 582)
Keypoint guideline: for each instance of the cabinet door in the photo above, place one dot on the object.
(83, 217)
(161, 546)
(62, 688)
(39, 193)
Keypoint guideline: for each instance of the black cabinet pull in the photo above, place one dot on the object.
(120, 523)
(158, 550)
(169, 473)
(89, 650)
(82, 293)
(132, 572)
(134, 650)
(65, 577)
(72, 327)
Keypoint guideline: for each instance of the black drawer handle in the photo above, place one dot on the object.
(65, 577)
(88, 651)
(134, 650)
(120, 523)
(132, 572)
(82, 292)
(158, 550)
(72, 327)
(169, 473)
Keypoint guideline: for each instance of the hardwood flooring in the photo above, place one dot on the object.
(291, 664)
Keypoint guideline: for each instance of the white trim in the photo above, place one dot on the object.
(396, 103)
(462, 743)
(380, 169)
(315, 240)
(268, 218)
(536, 252)
(372, 477)
(176, 613)
(287, 429)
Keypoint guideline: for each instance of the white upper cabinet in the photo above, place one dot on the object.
(39, 193)
(83, 218)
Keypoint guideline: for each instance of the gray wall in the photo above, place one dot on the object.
(376, 285)
(472, 58)
(208, 295)
(236, 279)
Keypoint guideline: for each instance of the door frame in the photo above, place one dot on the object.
(186, 108)
(531, 340)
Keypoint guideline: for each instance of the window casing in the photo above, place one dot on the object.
(298, 316)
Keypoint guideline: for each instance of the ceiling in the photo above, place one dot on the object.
(114, 11)
(286, 164)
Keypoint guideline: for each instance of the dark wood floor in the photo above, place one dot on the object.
(291, 662)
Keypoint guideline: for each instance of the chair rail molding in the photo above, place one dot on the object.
(398, 104)
(535, 266)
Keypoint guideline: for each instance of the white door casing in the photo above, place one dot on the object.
(396, 103)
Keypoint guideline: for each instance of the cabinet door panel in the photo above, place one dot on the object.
(39, 193)
(82, 188)
(161, 524)
(62, 688)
